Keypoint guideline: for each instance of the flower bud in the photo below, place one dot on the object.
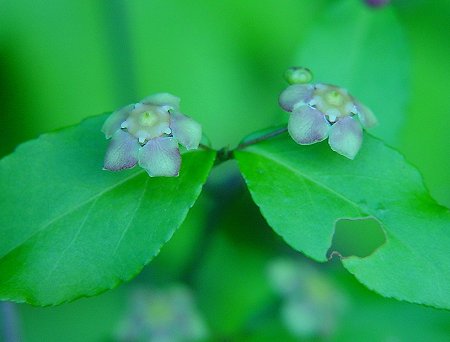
(298, 75)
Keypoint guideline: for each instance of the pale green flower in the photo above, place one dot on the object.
(163, 315)
(311, 305)
(320, 111)
(148, 133)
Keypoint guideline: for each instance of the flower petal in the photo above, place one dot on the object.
(113, 122)
(365, 115)
(186, 130)
(162, 99)
(160, 157)
(122, 152)
(296, 94)
(346, 137)
(308, 125)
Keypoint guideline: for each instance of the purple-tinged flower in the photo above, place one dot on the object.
(162, 315)
(307, 312)
(320, 111)
(147, 133)
(376, 3)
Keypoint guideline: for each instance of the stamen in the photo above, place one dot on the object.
(148, 119)
(334, 98)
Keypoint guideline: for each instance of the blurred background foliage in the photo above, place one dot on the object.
(62, 61)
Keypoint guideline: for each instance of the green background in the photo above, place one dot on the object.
(61, 61)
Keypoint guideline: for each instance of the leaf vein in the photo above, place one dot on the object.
(71, 210)
(141, 197)
(77, 234)
(323, 186)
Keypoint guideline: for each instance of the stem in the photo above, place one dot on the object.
(261, 138)
(117, 27)
(204, 147)
(225, 153)
(9, 329)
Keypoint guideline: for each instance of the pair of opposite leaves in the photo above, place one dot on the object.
(84, 230)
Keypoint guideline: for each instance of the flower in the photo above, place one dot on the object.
(311, 307)
(162, 315)
(320, 111)
(147, 133)
(377, 3)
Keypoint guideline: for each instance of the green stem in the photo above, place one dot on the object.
(118, 38)
(204, 147)
(223, 155)
(226, 153)
(261, 138)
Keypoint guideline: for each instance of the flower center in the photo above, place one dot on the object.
(334, 98)
(332, 101)
(148, 119)
(146, 122)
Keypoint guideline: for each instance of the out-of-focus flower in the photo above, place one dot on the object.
(320, 111)
(162, 315)
(376, 3)
(311, 305)
(147, 133)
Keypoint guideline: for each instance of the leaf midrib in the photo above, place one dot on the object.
(272, 158)
(71, 210)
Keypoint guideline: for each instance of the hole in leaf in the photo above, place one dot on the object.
(360, 237)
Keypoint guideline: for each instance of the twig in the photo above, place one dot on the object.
(9, 322)
(262, 138)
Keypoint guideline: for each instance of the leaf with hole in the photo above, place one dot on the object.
(69, 229)
(303, 190)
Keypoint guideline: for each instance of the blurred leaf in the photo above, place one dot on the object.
(70, 229)
(59, 83)
(231, 274)
(425, 140)
(180, 251)
(88, 319)
(303, 190)
(230, 280)
(365, 51)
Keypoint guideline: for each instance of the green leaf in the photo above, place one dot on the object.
(303, 190)
(69, 229)
(366, 51)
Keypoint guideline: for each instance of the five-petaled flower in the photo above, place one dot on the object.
(147, 133)
(320, 111)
